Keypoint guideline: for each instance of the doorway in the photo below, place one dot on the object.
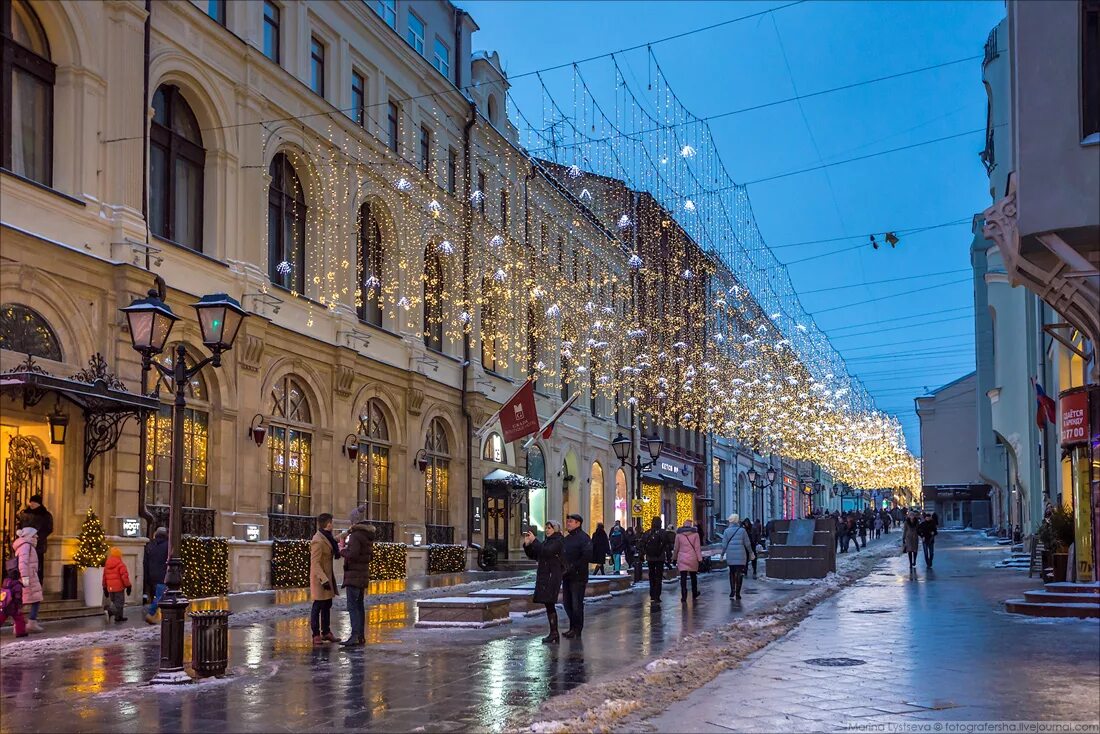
(496, 520)
(24, 475)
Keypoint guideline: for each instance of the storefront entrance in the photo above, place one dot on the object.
(24, 467)
(497, 511)
(508, 499)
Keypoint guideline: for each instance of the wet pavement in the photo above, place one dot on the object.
(933, 646)
(403, 679)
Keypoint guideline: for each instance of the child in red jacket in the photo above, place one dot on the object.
(116, 584)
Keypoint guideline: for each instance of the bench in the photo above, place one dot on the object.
(519, 601)
(616, 584)
(595, 591)
(463, 611)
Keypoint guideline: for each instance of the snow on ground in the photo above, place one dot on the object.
(609, 705)
(34, 645)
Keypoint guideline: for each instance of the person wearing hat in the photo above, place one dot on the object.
(11, 598)
(38, 517)
(154, 566)
(357, 553)
(577, 554)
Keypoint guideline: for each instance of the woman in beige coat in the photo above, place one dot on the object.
(322, 583)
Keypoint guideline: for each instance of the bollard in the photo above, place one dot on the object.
(210, 642)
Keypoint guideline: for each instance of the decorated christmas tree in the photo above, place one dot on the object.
(91, 551)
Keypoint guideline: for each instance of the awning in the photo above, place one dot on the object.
(100, 395)
(511, 479)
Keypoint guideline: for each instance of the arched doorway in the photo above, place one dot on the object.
(595, 497)
(622, 504)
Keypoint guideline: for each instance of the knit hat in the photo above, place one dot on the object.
(27, 532)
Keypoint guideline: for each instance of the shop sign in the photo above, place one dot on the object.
(790, 482)
(1074, 409)
(130, 527)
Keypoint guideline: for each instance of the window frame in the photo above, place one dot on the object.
(481, 184)
(372, 445)
(285, 202)
(504, 210)
(438, 460)
(216, 9)
(369, 309)
(452, 171)
(274, 22)
(358, 108)
(411, 37)
(317, 53)
(393, 127)
(162, 421)
(175, 146)
(425, 150)
(15, 57)
(442, 64)
(433, 320)
(290, 426)
(1090, 74)
(27, 326)
(387, 11)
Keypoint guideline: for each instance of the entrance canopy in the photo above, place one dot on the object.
(100, 395)
(511, 480)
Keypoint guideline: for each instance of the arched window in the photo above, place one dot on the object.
(369, 267)
(196, 440)
(536, 464)
(286, 226)
(494, 115)
(622, 513)
(26, 131)
(595, 504)
(433, 300)
(437, 476)
(23, 330)
(290, 445)
(374, 462)
(494, 449)
(176, 162)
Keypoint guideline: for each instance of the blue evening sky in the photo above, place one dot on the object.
(827, 44)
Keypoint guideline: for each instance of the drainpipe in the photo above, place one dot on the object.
(468, 237)
(143, 458)
(459, 15)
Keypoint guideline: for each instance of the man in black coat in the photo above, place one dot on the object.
(927, 531)
(38, 517)
(653, 546)
(153, 567)
(575, 556)
(357, 554)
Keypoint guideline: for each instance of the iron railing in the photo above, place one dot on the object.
(440, 534)
(291, 527)
(197, 521)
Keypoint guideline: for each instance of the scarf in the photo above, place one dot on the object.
(332, 541)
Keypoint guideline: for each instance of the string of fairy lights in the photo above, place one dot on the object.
(590, 270)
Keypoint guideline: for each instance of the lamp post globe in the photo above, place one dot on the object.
(220, 318)
(621, 446)
(751, 476)
(150, 320)
(771, 475)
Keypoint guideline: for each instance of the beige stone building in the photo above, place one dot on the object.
(341, 168)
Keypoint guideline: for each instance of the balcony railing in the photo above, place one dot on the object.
(442, 534)
(291, 527)
(991, 51)
(385, 530)
(197, 521)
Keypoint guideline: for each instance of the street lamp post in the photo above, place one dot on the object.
(151, 321)
(623, 448)
(761, 485)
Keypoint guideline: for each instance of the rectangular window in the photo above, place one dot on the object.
(392, 133)
(387, 11)
(216, 10)
(425, 149)
(317, 65)
(481, 190)
(441, 58)
(1090, 70)
(504, 212)
(358, 97)
(415, 33)
(452, 170)
(271, 31)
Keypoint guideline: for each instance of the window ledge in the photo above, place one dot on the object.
(377, 327)
(442, 354)
(185, 248)
(1093, 139)
(44, 187)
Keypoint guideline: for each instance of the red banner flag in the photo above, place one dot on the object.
(518, 417)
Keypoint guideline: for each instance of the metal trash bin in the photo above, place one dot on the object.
(69, 577)
(210, 642)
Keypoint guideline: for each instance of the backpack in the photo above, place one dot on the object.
(9, 596)
(654, 545)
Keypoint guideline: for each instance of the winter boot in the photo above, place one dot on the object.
(329, 637)
(552, 638)
(318, 640)
(740, 579)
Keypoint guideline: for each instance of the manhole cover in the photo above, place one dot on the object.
(835, 662)
(872, 611)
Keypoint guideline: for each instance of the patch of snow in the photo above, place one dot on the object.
(661, 663)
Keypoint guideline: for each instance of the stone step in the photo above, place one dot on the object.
(1062, 597)
(1073, 587)
(463, 611)
(519, 601)
(1044, 609)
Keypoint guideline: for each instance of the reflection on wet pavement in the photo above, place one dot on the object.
(404, 678)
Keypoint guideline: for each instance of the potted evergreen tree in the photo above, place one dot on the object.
(91, 554)
(1062, 534)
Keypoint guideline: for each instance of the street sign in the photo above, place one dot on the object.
(635, 508)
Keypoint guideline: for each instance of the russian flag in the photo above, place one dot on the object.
(1044, 406)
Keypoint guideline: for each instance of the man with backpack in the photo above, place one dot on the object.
(654, 545)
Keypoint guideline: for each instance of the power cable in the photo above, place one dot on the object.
(901, 318)
(887, 280)
(899, 328)
(909, 341)
(892, 295)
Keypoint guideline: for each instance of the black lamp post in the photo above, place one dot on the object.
(761, 485)
(151, 322)
(623, 448)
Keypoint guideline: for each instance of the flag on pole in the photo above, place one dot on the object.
(547, 429)
(480, 432)
(1045, 408)
(518, 417)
